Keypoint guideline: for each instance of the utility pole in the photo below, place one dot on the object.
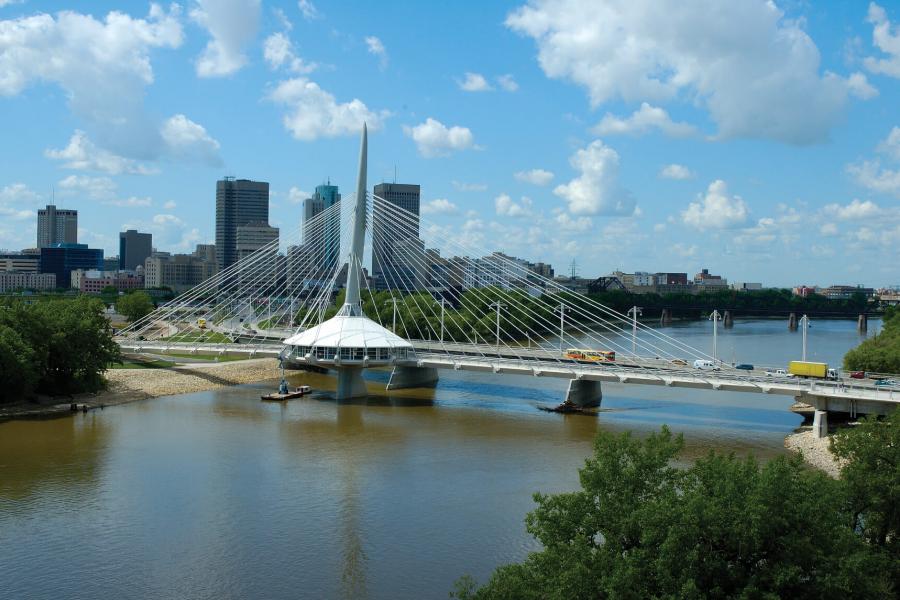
(498, 306)
(561, 309)
(634, 311)
(442, 318)
(804, 323)
(714, 317)
(394, 324)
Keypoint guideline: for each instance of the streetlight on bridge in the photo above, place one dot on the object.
(561, 309)
(804, 323)
(634, 311)
(715, 317)
(394, 324)
(498, 306)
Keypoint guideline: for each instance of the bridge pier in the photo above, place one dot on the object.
(820, 423)
(350, 383)
(665, 317)
(862, 323)
(584, 392)
(728, 320)
(792, 322)
(412, 377)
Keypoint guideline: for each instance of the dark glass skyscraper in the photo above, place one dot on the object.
(134, 248)
(238, 202)
(396, 246)
(322, 239)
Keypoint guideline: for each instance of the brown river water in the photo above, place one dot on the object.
(218, 495)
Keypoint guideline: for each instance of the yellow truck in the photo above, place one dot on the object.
(814, 370)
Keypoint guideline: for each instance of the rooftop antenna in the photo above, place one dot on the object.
(573, 269)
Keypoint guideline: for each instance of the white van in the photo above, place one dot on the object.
(705, 365)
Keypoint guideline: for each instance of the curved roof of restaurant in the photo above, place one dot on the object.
(348, 332)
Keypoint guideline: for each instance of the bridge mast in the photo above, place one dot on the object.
(352, 306)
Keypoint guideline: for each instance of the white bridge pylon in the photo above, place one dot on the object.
(431, 302)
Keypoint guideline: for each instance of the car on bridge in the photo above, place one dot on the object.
(779, 373)
(705, 365)
(744, 367)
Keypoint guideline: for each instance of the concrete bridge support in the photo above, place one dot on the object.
(412, 377)
(820, 423)
(728, 320)
(584, 392)
(792, 322)
(350, 383)
(665, 318)
(862, 323)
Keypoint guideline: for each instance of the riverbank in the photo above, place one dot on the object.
(815, 451)
(129, 385)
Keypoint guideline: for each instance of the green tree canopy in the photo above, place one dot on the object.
(724, 528)
(880, 354)
(135, 305)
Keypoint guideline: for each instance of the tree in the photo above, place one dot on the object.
(135, 305)
(881, 353)
(871, 475)
(724, 528)
(17, 367)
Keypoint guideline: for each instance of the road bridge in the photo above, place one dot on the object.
(284, 306)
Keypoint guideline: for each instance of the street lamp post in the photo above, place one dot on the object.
(442, 318)
(634, 311)
(714, 317)
(394, 322)
(804, 323)
(561, 309)
(498, 305)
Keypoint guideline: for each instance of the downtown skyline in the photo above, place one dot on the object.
(753, 140)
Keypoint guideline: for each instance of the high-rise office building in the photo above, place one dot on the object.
(321, 234)
(396, 247)
(56, 226)
(62, 259)
(134, 248)
(238, 202)
(257, 244)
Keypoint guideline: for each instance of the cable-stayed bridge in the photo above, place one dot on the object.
(433, 302)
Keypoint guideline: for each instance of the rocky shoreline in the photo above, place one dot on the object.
(128, 385)
(815, 451)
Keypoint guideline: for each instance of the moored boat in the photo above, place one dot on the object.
(287, 395)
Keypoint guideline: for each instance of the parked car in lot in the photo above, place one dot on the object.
(705, 365)
(744, 367)
(857, 374)
(778, 373)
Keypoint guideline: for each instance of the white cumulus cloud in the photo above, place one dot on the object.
(313, 113)
(308, 10)
(506, 207)
(887, 39)
(232, 24)
(534, 176)
(439, 206)
(188, 140)
(279, 51)
(854, 211)
(596, 191)
(757, 73)
(871, 175)
(642, 121)
(82, 154)
(433, 138)
(377, 48)
(99, 188)
(716, 209)
(507, 82)
(474, 82)
(675, 171)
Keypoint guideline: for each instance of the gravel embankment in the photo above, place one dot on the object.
(189, 378)
(815, 451)
(128, 385)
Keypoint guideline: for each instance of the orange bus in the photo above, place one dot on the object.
(591, 355)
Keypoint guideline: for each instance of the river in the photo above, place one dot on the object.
(218, 495)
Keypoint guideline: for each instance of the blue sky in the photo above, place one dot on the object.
(759, 141)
